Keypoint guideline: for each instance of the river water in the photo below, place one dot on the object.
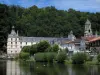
(29, 68)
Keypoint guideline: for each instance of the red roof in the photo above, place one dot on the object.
(94, 39)
(88, 38)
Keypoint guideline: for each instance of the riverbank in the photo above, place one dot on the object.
(66, 62)
(42, 68)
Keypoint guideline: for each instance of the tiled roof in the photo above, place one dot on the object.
(35, 39)
(88, 22)
(88, 38)
(94, 39)
(75, 41)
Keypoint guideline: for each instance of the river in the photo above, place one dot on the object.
(9, 67)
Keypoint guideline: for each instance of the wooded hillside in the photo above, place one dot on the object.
(46, 22)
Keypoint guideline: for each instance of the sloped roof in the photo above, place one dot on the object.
(75, 41)
(94, 39)
(35, 39)
(88, 22)
(88, 38)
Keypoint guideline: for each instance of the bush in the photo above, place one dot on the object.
(24, 55)
(45, 57)
(26, 49)
(42, 46)
(98, 57)
(61, 57)
(40, 57)
(55, 48)
(33, 49)
(79, 58)
(66, 50)
(50, 56)
(49, 49)
(90, 58)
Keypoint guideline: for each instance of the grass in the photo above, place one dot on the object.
(90, 63)
(68, 62)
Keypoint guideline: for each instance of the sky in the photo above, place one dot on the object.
(80, 5)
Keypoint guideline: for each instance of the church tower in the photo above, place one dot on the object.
(71, 36)
(88, 30)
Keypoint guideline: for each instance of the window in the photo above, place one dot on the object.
(26, 43)
(11, 42)
(16, 45)
(11, 51)
(16, 42)
(11, 39)
(89, 30)
(20, 42)
(20, 46)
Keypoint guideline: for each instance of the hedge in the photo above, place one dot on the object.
(45, 57)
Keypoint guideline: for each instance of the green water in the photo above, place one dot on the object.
(30, 68)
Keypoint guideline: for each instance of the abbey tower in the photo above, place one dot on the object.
(88, 30)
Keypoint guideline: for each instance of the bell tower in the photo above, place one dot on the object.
(71, 36)
(88, 30)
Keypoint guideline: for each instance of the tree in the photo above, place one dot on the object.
(55, 48)
(42, 46)
(33, 49)
(26, 49)
(24, 55)
(79, 58)
(98, 57)
(61, 57)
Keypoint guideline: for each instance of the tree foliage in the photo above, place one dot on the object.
(45, 22)
(61, 57)
(98, 57)
(55, 48)
(79, 58)
(24, 55)
(42, 46)
(26, 49)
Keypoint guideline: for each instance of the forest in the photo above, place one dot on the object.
(44, 22)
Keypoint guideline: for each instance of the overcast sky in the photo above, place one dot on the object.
(82, 5)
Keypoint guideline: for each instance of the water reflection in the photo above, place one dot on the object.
(30, 68)
(12, 68)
